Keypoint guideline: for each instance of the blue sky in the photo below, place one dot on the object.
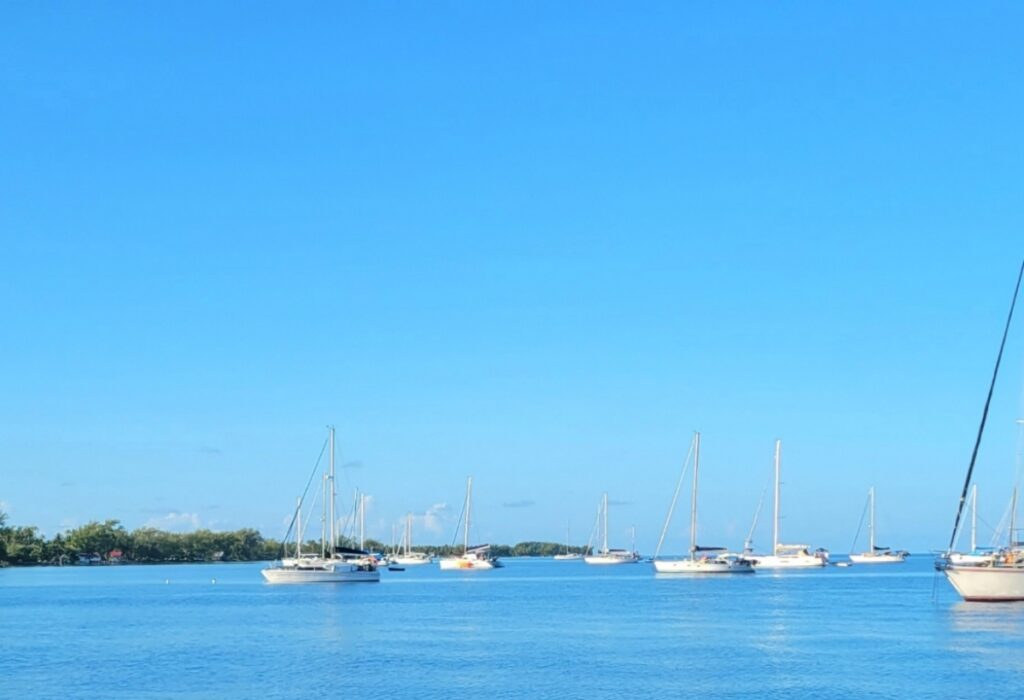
(538, 243)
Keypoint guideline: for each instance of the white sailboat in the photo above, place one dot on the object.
(568, 555)
(608, 556)
(407, 557)
(698, 563)
(472, 558)
(876, 554)
(786, 556)
(977, 555)
(1002, 578)
(334, 564)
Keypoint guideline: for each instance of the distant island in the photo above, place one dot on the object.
(108, 542)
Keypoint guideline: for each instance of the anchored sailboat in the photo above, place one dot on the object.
(1001, 578)
(334, 564)
(976, 555)
(786, 556)
(472, 558)
(702, 560)
(568, 555)
(407, 557)
(875, 553)
(607, 556)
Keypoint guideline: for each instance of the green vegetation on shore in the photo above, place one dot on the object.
(110, 542)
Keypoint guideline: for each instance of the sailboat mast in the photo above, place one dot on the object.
(1013, 517)
(408, 533)
(604, 526)
(334, 495)
(362, 521)
(298, 527)
(775, 523)
(693, 497)
(469, 512)
(974, 519)
(323, 515)
(871, 521)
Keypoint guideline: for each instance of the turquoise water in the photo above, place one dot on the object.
(535, 629)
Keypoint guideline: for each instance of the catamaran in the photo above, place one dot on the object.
(408, 557)
(607, 556)
(703, 560)
(333, 564)
(786, 556)
(472, 558)
(1001, 578)
(875, 553)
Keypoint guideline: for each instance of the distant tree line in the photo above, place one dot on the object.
(110, 542)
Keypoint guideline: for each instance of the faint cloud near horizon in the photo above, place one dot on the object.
(433, 519)
(518, 504)
(176, 522)
(210, 450)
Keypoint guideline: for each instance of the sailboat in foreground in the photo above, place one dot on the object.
(472, 558)
(786, 556)
(607, 556)
(702, 560)
(1002, 578)
(334, 564)
(876, 554)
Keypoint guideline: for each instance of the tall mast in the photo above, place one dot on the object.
(334, 493)
(566, 536)
(974, 519)
(469, 512)
(871, 521)
(604, 527)
(362, 521)
(775, 523)
(693, 497)
(298, 527)
(408, 533)
(1013, 517)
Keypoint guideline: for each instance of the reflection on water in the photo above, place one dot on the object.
(533, 629)
(1000, 618)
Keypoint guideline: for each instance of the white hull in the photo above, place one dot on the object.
(702, 566)
(609, 560)
(958, 559)
(867, 558)
(411, 561)
(568, 557)
(987, 583)
(465, 564)
(340, 573)
(796, 561)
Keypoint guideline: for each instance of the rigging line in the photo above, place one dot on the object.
(459, 523)
(748, 543)
(288, 533)
(853, 545)
(675, 497)
(984, 413)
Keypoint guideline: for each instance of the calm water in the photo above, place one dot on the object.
(537, 629)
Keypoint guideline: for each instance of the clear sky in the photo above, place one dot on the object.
(538, 243)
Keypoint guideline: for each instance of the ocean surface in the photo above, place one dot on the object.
(535, 629)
